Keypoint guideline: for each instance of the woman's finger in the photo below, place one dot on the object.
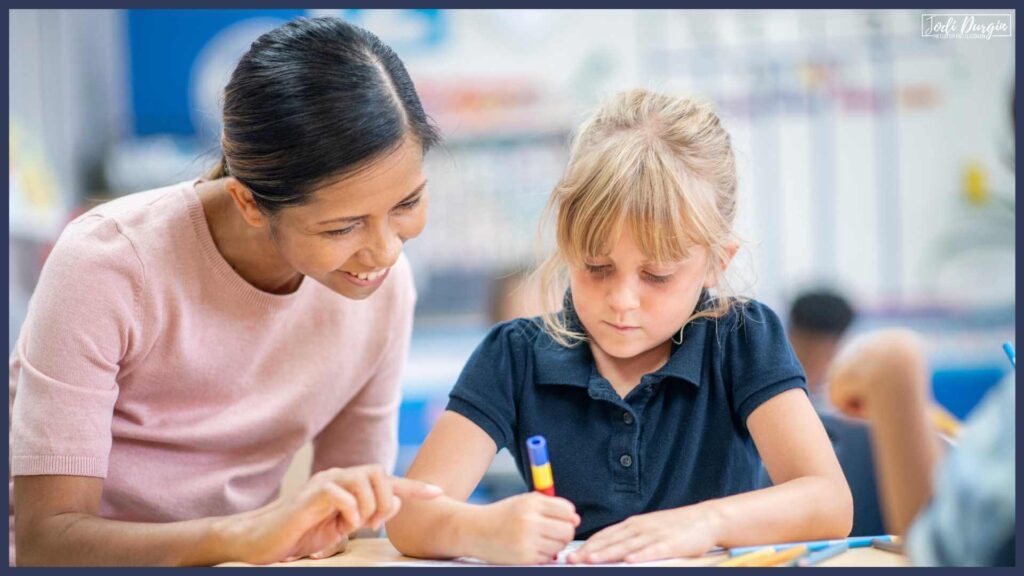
(331, 550)
(360, 487)
(408, 488)
(383, 494)
(346, 505)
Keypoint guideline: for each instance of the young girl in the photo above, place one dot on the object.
(656, 395)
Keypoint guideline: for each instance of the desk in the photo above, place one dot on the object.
(379, 552)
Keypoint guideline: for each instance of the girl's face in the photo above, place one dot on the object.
(351, 232)
(630, 305)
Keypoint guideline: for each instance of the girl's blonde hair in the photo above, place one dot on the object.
(661, 165)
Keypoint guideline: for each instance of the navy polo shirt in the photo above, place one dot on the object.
(679, 437)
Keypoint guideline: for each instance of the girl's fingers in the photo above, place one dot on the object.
(558, 530)
(555, 507)
(407, 488)
(618, 550)
(651, 552)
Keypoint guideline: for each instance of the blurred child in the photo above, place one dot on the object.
(656, 389)
(957, 509)
(818, 320)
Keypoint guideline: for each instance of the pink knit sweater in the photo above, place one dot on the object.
(147, 360)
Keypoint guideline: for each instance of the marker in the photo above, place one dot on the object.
(1008, 348)
(944, 421)
(749, 556)
(780, 557)
(815, 558)
(813, 545)
(894, 546)
(540, 467)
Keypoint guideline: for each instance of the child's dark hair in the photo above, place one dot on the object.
(822, 311)
(311, 102)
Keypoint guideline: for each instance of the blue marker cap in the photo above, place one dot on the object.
(537, 447)
(1010, 353)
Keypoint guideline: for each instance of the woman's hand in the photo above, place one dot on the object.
(679, 532)
(316, 522)
(529, 528)
(884, 364)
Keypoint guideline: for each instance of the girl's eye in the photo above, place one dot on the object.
(658, 279)
(598, 269)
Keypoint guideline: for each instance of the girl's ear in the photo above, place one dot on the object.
(715, 272)
(245, 203)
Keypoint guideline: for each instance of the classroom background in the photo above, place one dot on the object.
(874, 158)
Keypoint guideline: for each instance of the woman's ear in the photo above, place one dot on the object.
(245, 203)
(717, 270)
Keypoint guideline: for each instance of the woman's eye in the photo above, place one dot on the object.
(409, 204)
(340, 232)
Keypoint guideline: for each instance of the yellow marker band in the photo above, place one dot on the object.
(542, 476)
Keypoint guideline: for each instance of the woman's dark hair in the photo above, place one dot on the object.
(313, 101)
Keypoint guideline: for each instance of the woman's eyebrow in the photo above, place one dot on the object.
(408, 197)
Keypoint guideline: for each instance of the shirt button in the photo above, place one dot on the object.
(627, 418)
(626, 460)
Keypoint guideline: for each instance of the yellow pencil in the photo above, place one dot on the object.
(748, 557)
(779, 557)
(944, 421)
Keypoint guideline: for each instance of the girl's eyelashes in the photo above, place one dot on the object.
(658, 279)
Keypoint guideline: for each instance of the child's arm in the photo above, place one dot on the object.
(810, 499)
(525, 529)
(884, 378)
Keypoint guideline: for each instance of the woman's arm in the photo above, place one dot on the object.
(529, 528)
(57, 522)
(810, 499)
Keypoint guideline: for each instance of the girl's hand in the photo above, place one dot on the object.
(679, 532)
(885, 363)
(316, 522)
(529, 528)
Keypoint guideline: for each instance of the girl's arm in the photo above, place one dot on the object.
(57, 522)
(529, 528)
(810, 499)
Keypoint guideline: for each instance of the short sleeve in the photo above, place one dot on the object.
(758, 362)
(63, 369)
(486, 390)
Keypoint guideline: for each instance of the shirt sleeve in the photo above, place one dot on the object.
(757, 359)
(485, 391)
(63, 369)
(365, 431)
(971, 520)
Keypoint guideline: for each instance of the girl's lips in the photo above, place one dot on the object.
(622, 328)
(366, 283)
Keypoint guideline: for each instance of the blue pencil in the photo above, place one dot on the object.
(1008, 348)
(815, 558)
(814, 545)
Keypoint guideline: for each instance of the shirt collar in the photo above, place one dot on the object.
(558, 364)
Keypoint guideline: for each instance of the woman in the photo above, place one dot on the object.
(175, 354)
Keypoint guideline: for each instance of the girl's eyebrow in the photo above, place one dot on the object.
(408, 197)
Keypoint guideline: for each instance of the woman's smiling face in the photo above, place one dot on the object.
(351, 232)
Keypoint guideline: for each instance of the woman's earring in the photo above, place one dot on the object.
(680, 341)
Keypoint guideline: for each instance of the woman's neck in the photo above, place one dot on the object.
(250, 251)
(624, 373)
